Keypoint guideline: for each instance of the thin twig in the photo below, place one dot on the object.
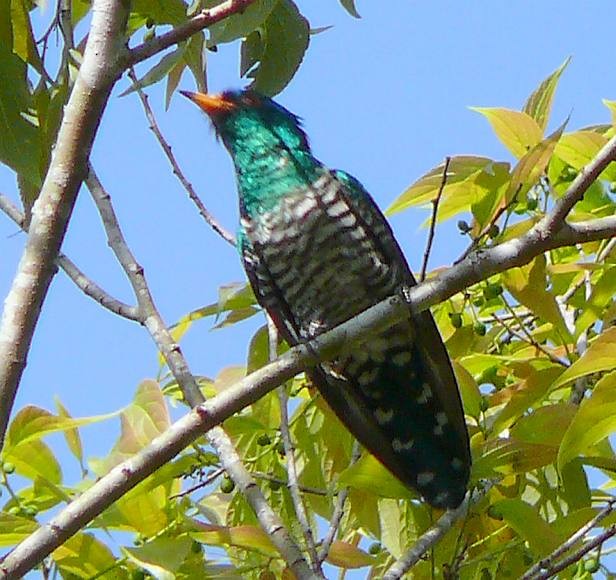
(289, 452)
(336, 518)
(192, 194)
(53, 207)
(578, 555)
(475, 268)
(217, 437)
(429, 538)
(435, 204)
(85, 284)
(547, 562)
(202, 20)
(203, 483)
(555, 220)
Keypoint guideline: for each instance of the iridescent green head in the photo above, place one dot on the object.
(269, 148)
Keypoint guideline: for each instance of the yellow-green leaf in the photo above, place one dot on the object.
(250, 537)
(594, 421)
(532, 165)
(461, 168)
(527, 523)
(539, 103)
(14, 529)
(528, 285)
(600, 356)
(517, 130)
(83, 556)
(161, 557)
(32, 423)
(345, 555)
(580, 147)
(368, 474)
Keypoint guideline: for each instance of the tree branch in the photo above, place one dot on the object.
(553, 221)
(435, 203)
(202, 20)
(548, 562)
(289, 452)
(472, 269)
(85, 284)
(217, 437)
(192, 194)
(52, 210)
(434, 534)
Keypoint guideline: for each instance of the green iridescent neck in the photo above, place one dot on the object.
(271, 155)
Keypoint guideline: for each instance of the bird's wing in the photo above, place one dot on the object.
(428, 340)
(345, 400)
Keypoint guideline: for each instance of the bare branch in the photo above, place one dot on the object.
(380, 316)
(289, 451)
(596, 542)
(336, 518)
(192, 194)
(469, 271)
(85, 284)
(552, 223)
(435, 204)
(548, 562)
(434, 534)
(202, 20)
(217, 437)
(52, 210)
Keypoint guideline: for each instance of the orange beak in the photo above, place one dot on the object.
(211, 104)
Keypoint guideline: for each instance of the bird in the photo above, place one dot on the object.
(317, 251)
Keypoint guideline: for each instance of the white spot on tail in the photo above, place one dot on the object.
(424, 478)
(401, 358)
(399, 446)
(441, 498)
(457, 463)
(384, 415)
(426, 394)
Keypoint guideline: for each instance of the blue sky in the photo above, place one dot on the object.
(385, 98)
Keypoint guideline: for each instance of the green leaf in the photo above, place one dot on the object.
(349, 6)
(348, 556)
(20, 146)
(603, 291)
(71, 435)
(539, 104)
(285, 40)
(242, 24)
(527, 523)
(594, 421)
(368, 474)
(518, 131)
(24, 45)
(161, 557)
(611, 105)
(83, 556)
(600, 356)
(250, 537)
(526, 393)
(158, 72)
(471, 397)
(545, 426)
(532, 165)
(32, 423)
(34, 459)
(529, 286)
(14, 529)
(461, 169)
(580, 147)
(160, 11)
